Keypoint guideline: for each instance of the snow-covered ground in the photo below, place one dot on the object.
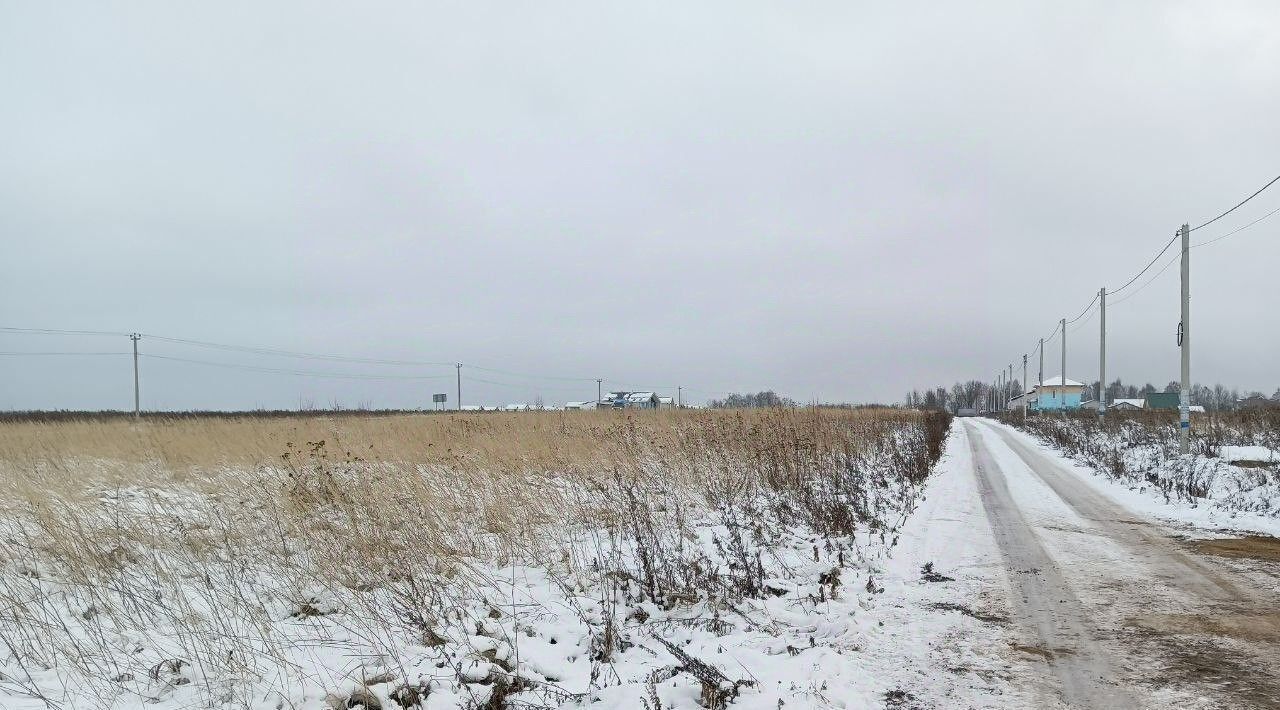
(916, 609)
(1238, 489)
(170, 599)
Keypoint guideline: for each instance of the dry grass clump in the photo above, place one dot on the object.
(142, 557)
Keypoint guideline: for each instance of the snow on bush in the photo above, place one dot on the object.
(480, 561)
(1234, 464)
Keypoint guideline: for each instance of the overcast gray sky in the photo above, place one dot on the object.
(833, 200)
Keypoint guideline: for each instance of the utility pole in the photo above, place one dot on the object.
(1024, 388)
(599, 394)
(459, 367)
(137, 402)
(1040, 385)
(1102, 354)
(1062, 379)
(679, 396)
(1013, 381)
(1184, 340)
(1004, 390)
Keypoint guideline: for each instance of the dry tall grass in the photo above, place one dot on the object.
(188, 539)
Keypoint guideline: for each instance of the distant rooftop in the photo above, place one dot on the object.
(1057, 382)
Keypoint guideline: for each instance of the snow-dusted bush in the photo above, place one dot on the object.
(1233, 463)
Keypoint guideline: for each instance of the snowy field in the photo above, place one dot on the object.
(1230, 482)
(674, 560)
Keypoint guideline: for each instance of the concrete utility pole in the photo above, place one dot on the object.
(599, 395)
(679, 396)
(1004, 389)
(1062, 379)
(459, 367)
(1024, 388)
(137, 402)
(1011, 380)
(1000, 391)
(1102, 354)
(1184, 340)
(1040, 386)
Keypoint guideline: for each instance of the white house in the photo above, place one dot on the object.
(1127, 405)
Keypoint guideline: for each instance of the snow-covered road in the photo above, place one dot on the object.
(1109, 607)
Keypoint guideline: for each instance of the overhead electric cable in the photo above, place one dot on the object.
(13, 354)
(1148, 282)
(1233, 209)
(1148, 266)
(52, 331)
(302, 373)
(1086, 310)
(532, 377)
(293, 353)
(1236, 230)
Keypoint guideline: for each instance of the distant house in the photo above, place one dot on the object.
(1256, 403)
(521, 407)
(579, 405)
(1127, 405)
(631, 400)
(1057, 394)
(1161, 400)
(666, 402)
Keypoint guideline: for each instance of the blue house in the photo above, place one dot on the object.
(1055, 396)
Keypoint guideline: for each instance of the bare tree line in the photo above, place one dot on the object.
(974, 394)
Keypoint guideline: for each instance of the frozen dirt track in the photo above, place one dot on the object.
(1111, 609)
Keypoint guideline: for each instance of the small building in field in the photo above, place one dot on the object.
(575, 406)
(1057, 394)
(666, 403)
(1161, 400)
(1256, 403)
(1127, 405)
(630, 400)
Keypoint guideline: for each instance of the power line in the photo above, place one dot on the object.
(277, 352)
(1149, 281)
(553, 388)
(302, 373)
(1148, 266)
(1086, 310)
(1233, 209)
(293, 353)
(529, 376)
(53, 331)
(17, 354)
(1236, 230)
(1086, 321)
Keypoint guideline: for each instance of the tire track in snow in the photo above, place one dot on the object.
(1043, 604)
